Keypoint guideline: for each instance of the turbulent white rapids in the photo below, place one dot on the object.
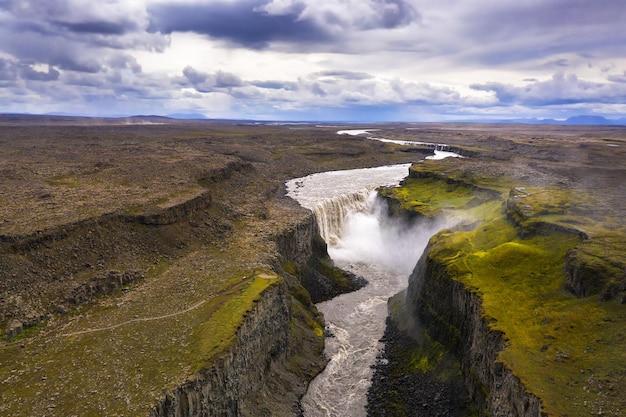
(363, 239)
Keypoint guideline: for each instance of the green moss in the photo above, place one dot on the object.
(218, 332)
(339, 277)
(521, 283)
(450, 170)
(430, 356)
(63, 182)
(24, 334)
(291, 268)
(430, 196)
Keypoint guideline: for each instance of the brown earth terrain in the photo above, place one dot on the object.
(121, 238)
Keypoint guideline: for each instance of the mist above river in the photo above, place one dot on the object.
(371, 236)
(363, 239)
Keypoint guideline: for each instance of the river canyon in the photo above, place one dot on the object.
(364, 240)
(161, 270)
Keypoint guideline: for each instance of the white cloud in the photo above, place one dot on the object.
(262, 57)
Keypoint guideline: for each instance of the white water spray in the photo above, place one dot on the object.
(363, 239)
(369, 235)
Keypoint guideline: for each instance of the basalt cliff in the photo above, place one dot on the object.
(517, 290)
(161, 271)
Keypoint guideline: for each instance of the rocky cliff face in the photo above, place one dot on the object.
(225, 388)
(279, 345)
(453, 315)
(275, 348)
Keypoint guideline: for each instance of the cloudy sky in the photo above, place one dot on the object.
(351, 60)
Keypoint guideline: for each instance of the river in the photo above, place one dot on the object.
(361, 238)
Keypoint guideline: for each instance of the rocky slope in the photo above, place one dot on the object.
(495, 291)
(135, 277)
(454, 315)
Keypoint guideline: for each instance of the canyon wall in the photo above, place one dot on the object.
(266, 370)
(277, 349)
(224, 387)
(453, 315)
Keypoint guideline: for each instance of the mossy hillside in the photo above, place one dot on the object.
(161, 350)
(437, 196)
(532, 208)
(455, 170)
(429, 197)
(521, 282)
(598, 260)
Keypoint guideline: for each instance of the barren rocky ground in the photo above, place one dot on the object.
(113, 230)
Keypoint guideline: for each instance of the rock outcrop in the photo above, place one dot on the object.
(588, 273)
(453, 315)
(103, 284)
(225, 387)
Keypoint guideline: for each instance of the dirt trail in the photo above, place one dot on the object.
(138, 320)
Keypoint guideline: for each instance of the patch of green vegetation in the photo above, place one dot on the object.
(521, 283)
(430, 196)
(63, 181)
(453, 170)
(339, 277)
(305, 318)
(219, 331)
(432, 357)
(291, 268)
(24, 334)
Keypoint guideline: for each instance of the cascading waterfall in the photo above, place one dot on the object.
(331, 213)
(363, 239)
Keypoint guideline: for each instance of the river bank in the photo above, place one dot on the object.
(123, 248)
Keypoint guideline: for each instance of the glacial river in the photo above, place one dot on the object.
(364, 240)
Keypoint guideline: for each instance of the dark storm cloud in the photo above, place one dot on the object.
(194, 76)
(75, 35)
(99, 27)
(206, 82)
(275, 85)
(237, 22)
(507, 32)
(46, 16)
(346, 75)
(257, 23)
(559, 90)
(75, 63)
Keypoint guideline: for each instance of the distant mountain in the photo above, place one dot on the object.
(583, 120)
(588, 120)
(187, 116)
(534, 121)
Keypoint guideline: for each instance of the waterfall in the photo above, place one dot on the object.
(364, 240)
(331, 213)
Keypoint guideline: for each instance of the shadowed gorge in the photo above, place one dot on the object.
(161, 270)
(534, 315)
